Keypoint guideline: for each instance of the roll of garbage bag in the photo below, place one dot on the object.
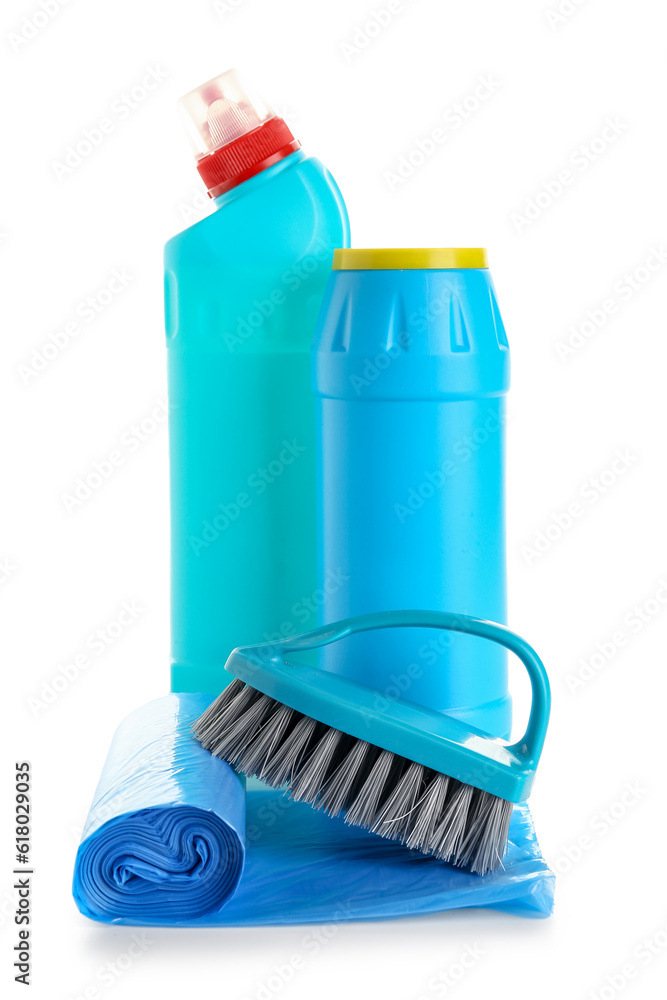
(165, 837)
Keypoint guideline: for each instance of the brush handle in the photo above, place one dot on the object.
(529, 747)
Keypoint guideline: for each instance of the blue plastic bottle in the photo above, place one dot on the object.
(242, 291)
(411, 365)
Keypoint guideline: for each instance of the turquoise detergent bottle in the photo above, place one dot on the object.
(242, 293)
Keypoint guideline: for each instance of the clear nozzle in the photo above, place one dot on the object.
(221, 110)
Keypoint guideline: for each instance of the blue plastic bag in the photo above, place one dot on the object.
(174, 839)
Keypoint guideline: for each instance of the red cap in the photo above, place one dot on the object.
(246, 156)
(235, 134)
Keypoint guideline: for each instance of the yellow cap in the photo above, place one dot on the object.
(436, 259)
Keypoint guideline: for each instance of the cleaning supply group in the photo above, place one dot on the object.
(322, 405)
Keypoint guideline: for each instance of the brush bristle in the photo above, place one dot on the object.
(372, 788)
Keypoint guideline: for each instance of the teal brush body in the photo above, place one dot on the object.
(395, 767)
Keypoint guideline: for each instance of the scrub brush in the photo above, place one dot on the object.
(403, 771)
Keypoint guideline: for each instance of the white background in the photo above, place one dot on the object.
(360, 108)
